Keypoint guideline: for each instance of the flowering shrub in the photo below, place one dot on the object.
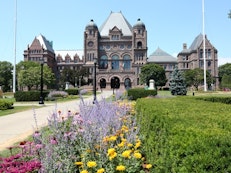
(53, 94)
(103, 137)
(25, 161)
(82, 91)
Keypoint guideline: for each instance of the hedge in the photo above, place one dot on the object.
(29, 95)
(6, 104)
(185, 135)
(135, 93)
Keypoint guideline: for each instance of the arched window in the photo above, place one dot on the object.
(115, 62)
(126, 62)
(139, 45)
(103, 64)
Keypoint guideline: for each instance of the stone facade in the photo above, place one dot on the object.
(120, 51)
(192, 57)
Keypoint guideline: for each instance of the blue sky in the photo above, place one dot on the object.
(169, 23)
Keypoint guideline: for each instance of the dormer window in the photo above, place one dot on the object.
(115, 37)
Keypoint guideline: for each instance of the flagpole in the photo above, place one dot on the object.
(203, 28)
(15, 36)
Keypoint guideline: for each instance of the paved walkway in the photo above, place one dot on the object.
(18, 126)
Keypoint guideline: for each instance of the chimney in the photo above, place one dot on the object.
(184, 46)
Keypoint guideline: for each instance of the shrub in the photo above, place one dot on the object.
(185, 134)
(29, 95)
(103, 137)
(136, 93)
(57, 94)
(73, 91)
(222, 99)
(5, 104)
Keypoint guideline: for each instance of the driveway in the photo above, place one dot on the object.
(16, 127)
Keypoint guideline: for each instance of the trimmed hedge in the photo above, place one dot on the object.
(135, 93)
(185, 135)
(29, 95)
(72, 91)
(226, 100)
(6, 104)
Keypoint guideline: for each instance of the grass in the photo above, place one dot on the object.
(16, 109)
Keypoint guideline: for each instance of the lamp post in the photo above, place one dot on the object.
(41, 83)
(113, 85)
(94, 82)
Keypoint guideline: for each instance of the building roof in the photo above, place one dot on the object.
(47, 45)
(71, 53)
(197, 42)
(160, 56)
(116, 19)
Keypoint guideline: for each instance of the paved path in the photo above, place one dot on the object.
(18, 126)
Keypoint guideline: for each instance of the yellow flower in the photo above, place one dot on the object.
(120, 168)
(138, 144)
(110, 151)
(84, 171)
(137, 155)
(112, 138)
(79, 163)
(148, 166)
(126, 153)
(130, 145)
(121, 144)
(112, 156)
(91, 164)
(101, 170)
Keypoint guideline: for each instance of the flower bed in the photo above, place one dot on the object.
(102, 137)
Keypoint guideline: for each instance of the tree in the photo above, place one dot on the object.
(177, 83)
(229, 14)
(224, 70)
(74, 76)
(226, 81)
(6, 75)
(195, 77)
(29, 75)
(153, 71)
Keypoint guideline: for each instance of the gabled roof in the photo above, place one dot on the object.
(47, 45)
(197, 42)
(71, 53)
(161, 56)
(116, 19)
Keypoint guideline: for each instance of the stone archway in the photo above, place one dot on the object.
(102, 83)
(115, 83)
(127, 83)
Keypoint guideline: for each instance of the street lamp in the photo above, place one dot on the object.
(113, 85)
(94, 82)
(41, 83)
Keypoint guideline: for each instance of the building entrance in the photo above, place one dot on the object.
(115, 83)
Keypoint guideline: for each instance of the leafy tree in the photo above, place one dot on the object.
(224, 69)
(195, 77)
(177, 83)
(229, 14)
(29, 75)
(72, 76)
(226, 81)
(6, 75)
(153, 71)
